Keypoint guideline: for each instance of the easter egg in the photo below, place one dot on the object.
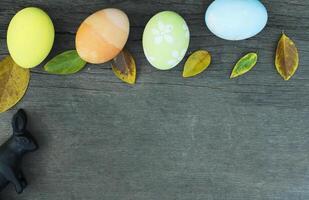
(30, 37)
(237, 19)
(166, 40)
(102, 35)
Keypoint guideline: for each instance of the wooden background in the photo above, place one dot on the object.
(166, 137)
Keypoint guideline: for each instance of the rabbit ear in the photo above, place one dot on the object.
(19, 122)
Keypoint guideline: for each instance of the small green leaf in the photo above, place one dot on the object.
(244, 65)
(66, 63)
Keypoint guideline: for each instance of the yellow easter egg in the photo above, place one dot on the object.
(30, 37)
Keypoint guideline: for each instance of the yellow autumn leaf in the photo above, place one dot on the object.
(196, 63)
(14, 82)
(287, 58)
(124, 67)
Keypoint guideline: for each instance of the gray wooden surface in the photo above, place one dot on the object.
(168, 138)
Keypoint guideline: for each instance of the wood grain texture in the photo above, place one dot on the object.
(168, 137)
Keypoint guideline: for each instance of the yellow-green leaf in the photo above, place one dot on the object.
(244, 65)
(66, 63)
(287, 58)
(124, 67)
(196, 63)
(14, 82)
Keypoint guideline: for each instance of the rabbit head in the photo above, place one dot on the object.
(24, 140)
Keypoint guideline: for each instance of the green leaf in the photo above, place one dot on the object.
(66, 63)
(244, 65)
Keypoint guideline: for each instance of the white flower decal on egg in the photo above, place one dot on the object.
(176, 57)
(186, 29)
(163, 33)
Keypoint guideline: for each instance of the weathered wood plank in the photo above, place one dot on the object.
(168, 138)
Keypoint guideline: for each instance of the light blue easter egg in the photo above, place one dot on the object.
(236, 19)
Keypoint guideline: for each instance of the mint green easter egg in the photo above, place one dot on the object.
(166, 40)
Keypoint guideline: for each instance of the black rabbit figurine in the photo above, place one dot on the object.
(12, 152)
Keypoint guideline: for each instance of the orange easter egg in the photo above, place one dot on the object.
(102, 35)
